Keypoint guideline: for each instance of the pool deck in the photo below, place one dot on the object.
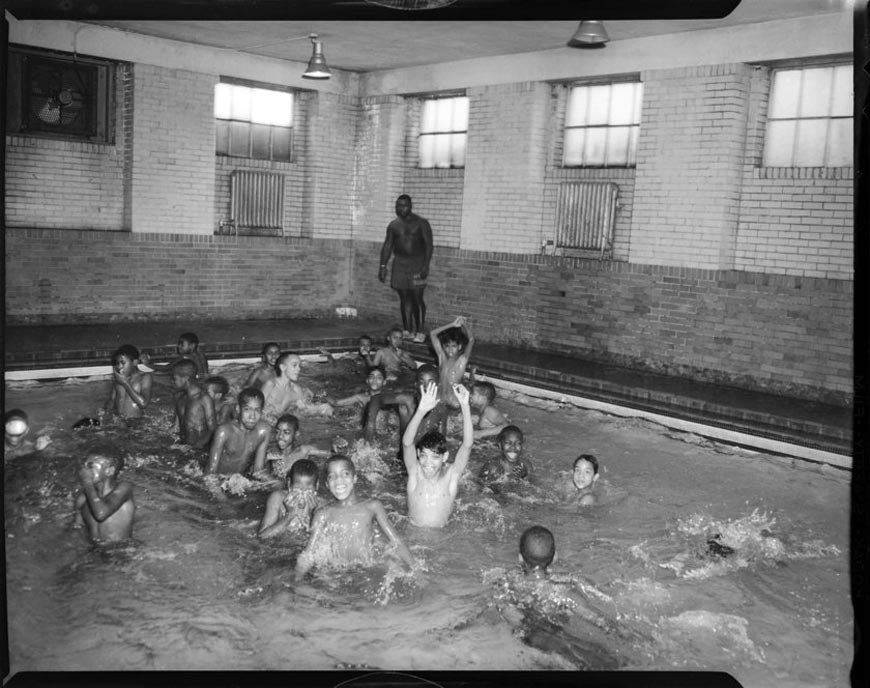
(811, 424)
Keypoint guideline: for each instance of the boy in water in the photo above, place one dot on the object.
(105, 504)
(241, 444)
(187, 349)
(342, 532)
(286, 433)
(405, 403)
(284, 393)
(537, 551)
(511, 465)
(194, 408)
(490, 421)
(218, 388)
(452, 344)
(584, 475)
(15, 442)
(290, 508)
(131, 388)
(432, 482)
(265, 369)
(392, 357)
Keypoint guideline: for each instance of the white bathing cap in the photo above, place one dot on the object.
(16, 426)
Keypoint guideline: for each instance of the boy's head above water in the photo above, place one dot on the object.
(182, 371)
(453, 341)
(510, 441)
(482, 394)
(375, 378)
(426, 373)
(585, 471)
(537, 549)
(286, 429)
(270, 353)
(188, 342)
(17, 426)
(288, 363)
(251, 402)
(364, 344)
(340, 476)
(431, 453)
(104, 463)
(126, 354)
(303, 475)
(394, 337)
(217, 387)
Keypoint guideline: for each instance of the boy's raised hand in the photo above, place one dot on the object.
(428, 397)
(462, 394)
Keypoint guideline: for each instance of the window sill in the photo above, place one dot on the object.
(803, 172)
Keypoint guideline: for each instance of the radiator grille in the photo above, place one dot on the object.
(257, 200)
(585, 215)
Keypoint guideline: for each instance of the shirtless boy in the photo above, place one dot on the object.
(240, 445)
(511, 466)
(392, 357)
(131, 388)
(265, 369)
(218, 389)
(452, 344)
(286, 453)
(105, 504)
(342, 532)
(187, 349)
(405, 403)
(194, 408)
(490, 421)
(432, 482)
(284, 393)
(290, 509)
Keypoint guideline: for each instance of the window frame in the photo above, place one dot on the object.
(802, 66)
(634, 126)
(422, 100)
(100, 109)
(251, 126)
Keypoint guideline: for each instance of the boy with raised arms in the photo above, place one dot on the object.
(432, 482)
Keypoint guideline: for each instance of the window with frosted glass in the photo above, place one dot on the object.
(809, 118)
(602, 124)
(253, 122)
(443, 132)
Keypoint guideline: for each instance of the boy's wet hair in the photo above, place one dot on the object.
(434, 441)
(111, 454)
(537, 547)
(127, 350)
(380, 369)
(339, 457)
(220, 382)
(283, 356)
(454, 335)
(587, 457)
(487, 389)
(189, 337)
(291, 420)
(267, 346)
(249, 393)
(510, 429)
(184, 368)
(303, 468)
(427, 368)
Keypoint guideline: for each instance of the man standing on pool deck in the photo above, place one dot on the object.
(409, 239)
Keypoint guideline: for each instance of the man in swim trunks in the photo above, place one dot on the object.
(409, 240)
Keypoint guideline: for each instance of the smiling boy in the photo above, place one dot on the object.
(242, 442)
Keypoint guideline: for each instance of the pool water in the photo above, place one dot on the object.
(697, 556)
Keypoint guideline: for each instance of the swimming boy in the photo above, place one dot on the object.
(342, 532)
(584, 475)
(452, 344)
(15, 442)
(290, 508)
(284, 393)
(105, 504)
(537, 551)
(131, 388)
(194, 408)
(218, 388)
(405, 403)
(490, 421)
(240, 445)
(511, 465)
(187, 348)
(286, 432)
(392, 357)
(265, 369)
(432, 482)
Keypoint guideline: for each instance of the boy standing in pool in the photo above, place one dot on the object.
(432, 482)
(392, 357)
(105, 504)
(240, 445)
(290, 508)
(194, 408)
(131, 388)
(452, 344)
(342, 532)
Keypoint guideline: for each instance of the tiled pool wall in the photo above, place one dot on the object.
(784, 334)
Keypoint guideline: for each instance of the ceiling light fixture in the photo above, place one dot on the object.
(317, 67)
(589, 34)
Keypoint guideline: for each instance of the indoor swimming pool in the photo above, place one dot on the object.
(197, 590)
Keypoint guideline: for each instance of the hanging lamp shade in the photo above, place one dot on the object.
(589, 34)
(317, 67)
